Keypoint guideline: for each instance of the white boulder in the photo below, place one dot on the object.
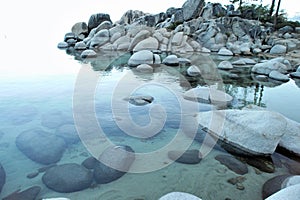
(278, 49)
(193, 71)
(171, 60)
(289, 193)
(226, 65)
(141, 57)
(278, 76)
(255, 132)
(225, 52)
(147, 44)
(291, 138)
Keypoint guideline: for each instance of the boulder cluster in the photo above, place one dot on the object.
(194, 27)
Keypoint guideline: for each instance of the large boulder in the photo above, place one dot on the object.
(138, 38)
(68, 178)
(171, 60)
(225, 52)
(147, 44)
(267, 67)
(250, 132)
(279, 76)
(80, 28)
(96, 19)
(291, 139)
(113, 163)
(141, 57)
(191, 9)
(2, 177)
(41, 146)
(278, 49)
(179, 196)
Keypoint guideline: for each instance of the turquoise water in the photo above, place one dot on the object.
(47, 102)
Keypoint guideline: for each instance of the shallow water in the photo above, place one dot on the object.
(47, 102)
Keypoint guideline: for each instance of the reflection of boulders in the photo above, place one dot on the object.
(28, 194)
(68, 178)
(41, 146)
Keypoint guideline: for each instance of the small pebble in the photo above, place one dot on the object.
(240, 186)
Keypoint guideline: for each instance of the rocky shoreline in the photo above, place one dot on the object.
(210, 29)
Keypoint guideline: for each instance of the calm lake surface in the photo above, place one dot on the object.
(37, 84)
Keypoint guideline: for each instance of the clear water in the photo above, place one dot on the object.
(28, 100)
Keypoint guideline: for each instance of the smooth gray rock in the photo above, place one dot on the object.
(69, 133)
(255, 132)
(89, 163)
(225, 65)
(141, 57)
(88, 54)
(28, 194)
(193, 71)
(185, 157)
(69, 36)
(279, 76)
(225, 52)
(147, 44)
(113, 163)
(41, 146)
(267, 67)
(80, 46)
(295, 75)
(191, 9)
(233, 164)
(171, 60)
(96, 19)
(80, 28)
(139, 100)
(278, 49)
(106, 25)
(68, 178)
(207, 95)
(138, 38)
(2, 177)
(291, 139)
(62, 45)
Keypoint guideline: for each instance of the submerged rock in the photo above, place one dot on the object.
(207, 95)
(89, 163)
(2, 177)
(41, 146)
(140, 100)
(28, 194)
(179, 196)
(68, 178)
(113, 163)
(273, 185)
(69, 133)
(254, 132)
(186, 157)
(233, 164)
